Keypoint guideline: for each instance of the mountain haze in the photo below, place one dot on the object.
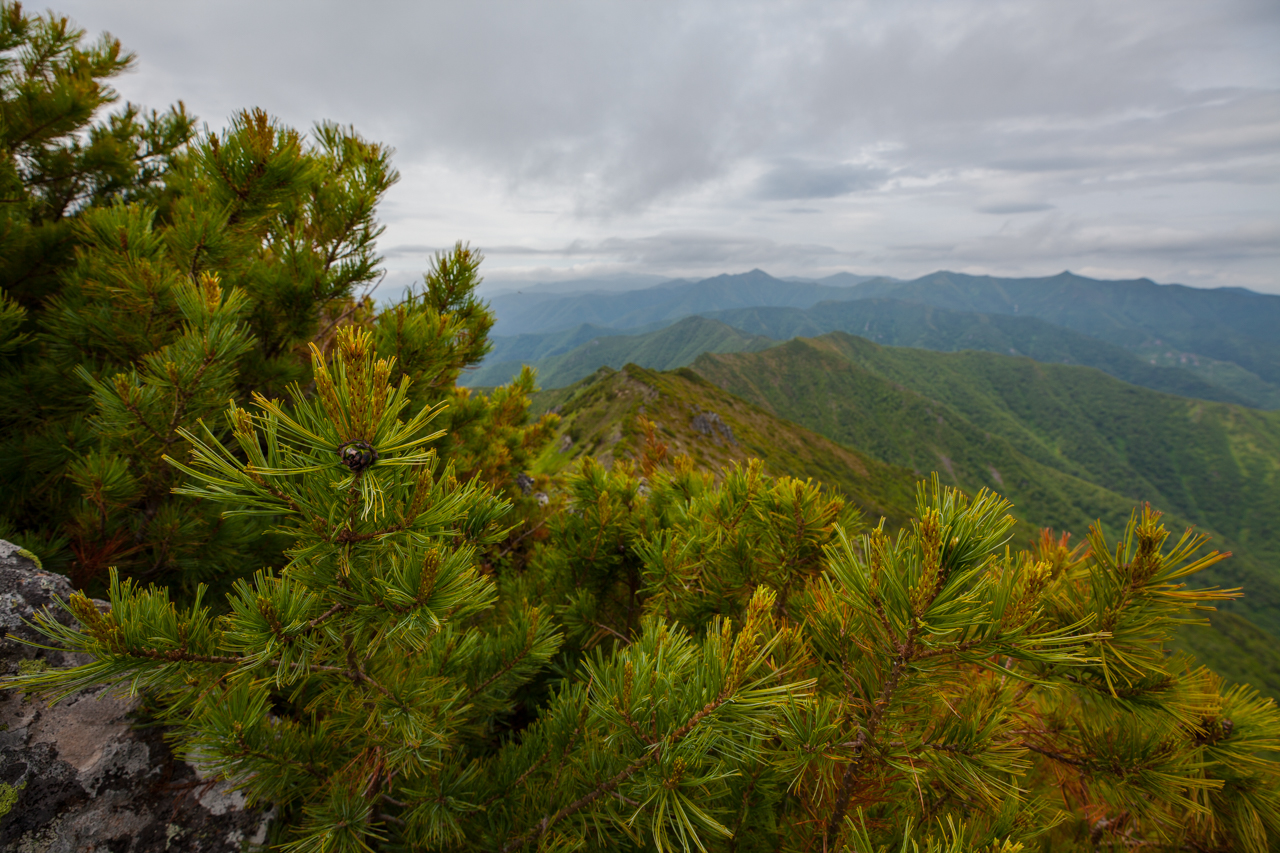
(673, 346)
(635, 308)
(1225, 324)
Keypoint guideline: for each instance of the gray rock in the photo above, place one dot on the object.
(711, 424)
(82, 775)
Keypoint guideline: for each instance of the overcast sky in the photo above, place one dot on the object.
(566, 139)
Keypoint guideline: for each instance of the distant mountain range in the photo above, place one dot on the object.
(1226, 324)
(1210, 344)
(522, 313)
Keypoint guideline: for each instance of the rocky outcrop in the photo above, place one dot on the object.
(83, 775)
(710, 424)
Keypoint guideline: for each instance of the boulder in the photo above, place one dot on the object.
(84, 775)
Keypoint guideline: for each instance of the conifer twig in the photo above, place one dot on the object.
(906, 652)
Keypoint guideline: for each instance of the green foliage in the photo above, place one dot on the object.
(436, 334)
(1236, 649)
(166, 310)
(665, 649)
(358, 685)
(742, 672)
(671, 541)
(54, 159)
(55, 163)
(178, 272)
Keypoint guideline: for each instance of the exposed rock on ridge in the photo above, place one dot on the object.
(79, 776)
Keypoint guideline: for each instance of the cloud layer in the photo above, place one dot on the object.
(699, 137)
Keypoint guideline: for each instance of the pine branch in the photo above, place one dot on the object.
(742, 808)
(181, 656)
(582, 802)
(542, 759)
(347, 536)
(332, 611)
(523, 536)
(627, 772)
(521, 655)
(1056, 756)
(906, 652)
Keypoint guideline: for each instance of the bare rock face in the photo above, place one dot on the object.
(710, 424)
(82, 776)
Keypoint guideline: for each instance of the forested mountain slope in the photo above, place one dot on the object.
(529, 348)
(1066, 444)
(1226, 324)
(894, 322)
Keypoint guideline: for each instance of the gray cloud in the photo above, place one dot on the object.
(1008, 207)
(689, 252)
(903, 124)
(793, 180)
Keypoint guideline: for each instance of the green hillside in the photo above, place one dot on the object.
(1066, 444)
(913, 324)
(674, 346)
(599, 418)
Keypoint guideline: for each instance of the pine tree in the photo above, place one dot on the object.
(55, 160)
(117, 232)
(361, 686)
(992, 694)
(284, 232)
